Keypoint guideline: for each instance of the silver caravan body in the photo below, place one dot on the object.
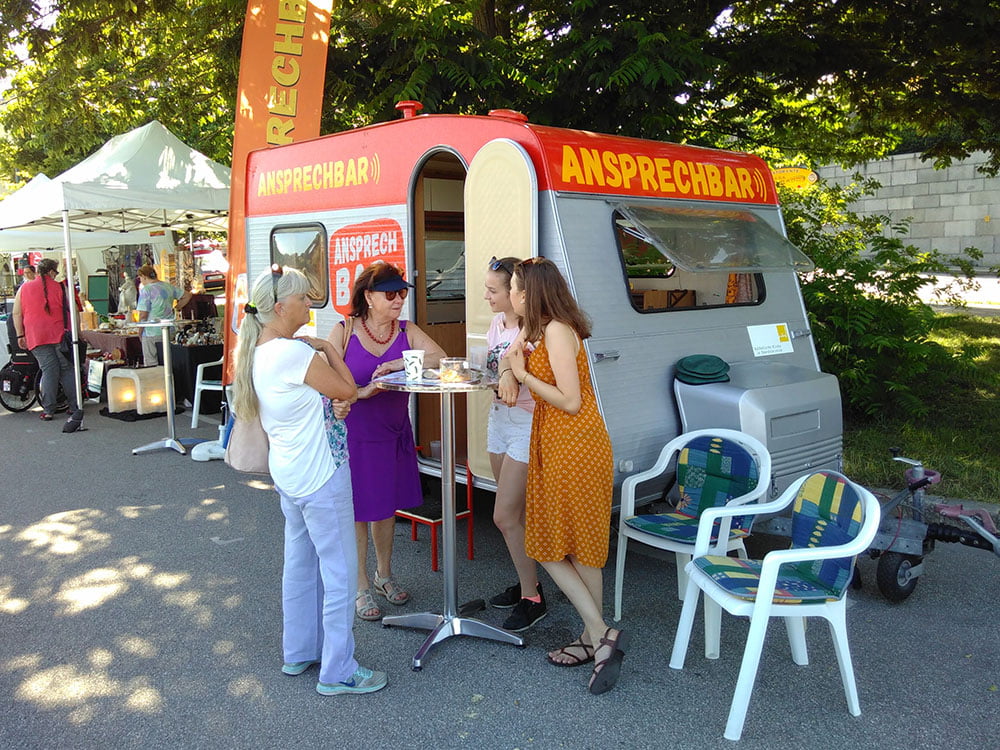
(663, 271)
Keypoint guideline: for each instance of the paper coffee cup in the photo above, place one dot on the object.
(413, 363)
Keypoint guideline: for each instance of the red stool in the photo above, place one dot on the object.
(434, 523)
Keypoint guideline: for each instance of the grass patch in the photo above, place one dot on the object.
(960, 437)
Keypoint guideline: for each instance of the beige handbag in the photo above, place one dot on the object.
(248, 446)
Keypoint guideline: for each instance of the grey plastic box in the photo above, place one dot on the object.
(795, 412)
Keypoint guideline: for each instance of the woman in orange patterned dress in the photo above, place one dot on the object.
(570, 468)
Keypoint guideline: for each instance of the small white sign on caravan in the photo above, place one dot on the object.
(770, 339)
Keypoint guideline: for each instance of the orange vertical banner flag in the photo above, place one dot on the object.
(279, 100)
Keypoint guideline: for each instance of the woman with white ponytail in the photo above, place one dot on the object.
(282, 378)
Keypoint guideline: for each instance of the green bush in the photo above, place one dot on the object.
(870, 327)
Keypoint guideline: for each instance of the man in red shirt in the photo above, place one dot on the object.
(39, 322)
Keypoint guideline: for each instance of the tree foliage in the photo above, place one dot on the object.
(97, 68)
(841, 80)
(870, 327)
(882, 70)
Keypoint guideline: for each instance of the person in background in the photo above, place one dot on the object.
(40, 320)
(283, 380)
(570, 467)
(156, 302)
(508, 433)
(27, 274)
(379, 433)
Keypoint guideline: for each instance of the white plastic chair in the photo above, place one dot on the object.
(203, 384)
(833, 520)
(719, 485)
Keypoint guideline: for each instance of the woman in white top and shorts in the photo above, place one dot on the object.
(508, 434)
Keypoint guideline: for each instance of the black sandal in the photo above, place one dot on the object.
(606, 671)
(587, 649)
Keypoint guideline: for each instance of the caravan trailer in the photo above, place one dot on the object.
(672, 251)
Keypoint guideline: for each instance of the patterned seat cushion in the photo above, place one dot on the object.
(711, 471)
(795, 584)
(678, 527)
(826, 512)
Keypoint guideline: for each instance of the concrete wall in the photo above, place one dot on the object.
(951, 208)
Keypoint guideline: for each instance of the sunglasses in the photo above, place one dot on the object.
(498, 265)
(392, 295)
(276, 273)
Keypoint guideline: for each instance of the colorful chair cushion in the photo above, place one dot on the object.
(711, 471)
(679, 527)
(740, 578)
(826, 512)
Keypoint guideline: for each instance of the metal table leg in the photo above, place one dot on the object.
(168, 379)
(450, 623)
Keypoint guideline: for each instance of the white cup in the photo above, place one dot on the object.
(413, 363)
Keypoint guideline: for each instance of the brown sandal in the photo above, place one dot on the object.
(587, 649)
(606, 670)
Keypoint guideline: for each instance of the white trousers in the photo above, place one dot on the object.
(320, 578)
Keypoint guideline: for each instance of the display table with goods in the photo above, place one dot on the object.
(120, 345)
(450, 622)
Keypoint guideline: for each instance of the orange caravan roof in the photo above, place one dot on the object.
(373, 165)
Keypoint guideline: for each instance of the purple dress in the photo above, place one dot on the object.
(383, 457)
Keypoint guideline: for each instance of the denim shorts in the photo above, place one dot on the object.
(509, 431)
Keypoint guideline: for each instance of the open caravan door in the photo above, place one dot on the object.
(501, 218)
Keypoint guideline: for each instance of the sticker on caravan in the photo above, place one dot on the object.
(355, 247)
(770, 339)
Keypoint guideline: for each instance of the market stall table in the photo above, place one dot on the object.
(130, 347)
(171, 440)
(449, 623)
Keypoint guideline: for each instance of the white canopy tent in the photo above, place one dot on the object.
(141, 181)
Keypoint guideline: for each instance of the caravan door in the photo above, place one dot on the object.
(501, 218)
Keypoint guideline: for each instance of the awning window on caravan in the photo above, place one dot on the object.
(304, 246)
(678, 258)
(700, 240)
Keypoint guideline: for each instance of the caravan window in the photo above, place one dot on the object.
(677, 258)
(304, 246)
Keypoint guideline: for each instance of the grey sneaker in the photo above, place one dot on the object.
(362, 681)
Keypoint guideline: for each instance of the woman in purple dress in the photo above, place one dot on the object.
(383, 457)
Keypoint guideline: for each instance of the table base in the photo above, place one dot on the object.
(442, 628)
(158, 445)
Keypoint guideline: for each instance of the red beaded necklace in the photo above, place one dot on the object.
(373, 337)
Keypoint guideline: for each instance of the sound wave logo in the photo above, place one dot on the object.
(760, 184)
(376, 168)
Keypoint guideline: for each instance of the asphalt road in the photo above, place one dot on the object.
(139, 608)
